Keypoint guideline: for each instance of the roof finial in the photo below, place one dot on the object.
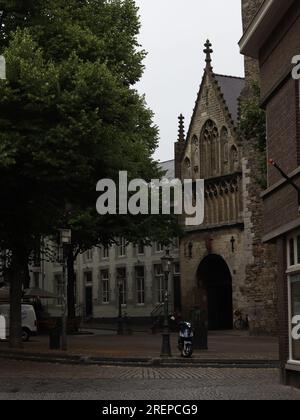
(208, 51)
(181, 134)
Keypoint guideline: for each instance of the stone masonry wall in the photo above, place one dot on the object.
(261, 270)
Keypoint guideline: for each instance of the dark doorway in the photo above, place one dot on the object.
(89, 302)
(215, 279)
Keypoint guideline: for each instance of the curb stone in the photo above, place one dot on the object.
(140, 362)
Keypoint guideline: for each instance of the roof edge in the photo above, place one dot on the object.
(262, 26)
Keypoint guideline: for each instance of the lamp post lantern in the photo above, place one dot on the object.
(167, 261)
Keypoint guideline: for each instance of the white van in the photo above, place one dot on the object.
(29, 321)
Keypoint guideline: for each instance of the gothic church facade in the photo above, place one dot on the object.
(224, 265)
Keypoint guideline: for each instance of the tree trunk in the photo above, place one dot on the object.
(26, 276)
(16, 282)
(71, 285)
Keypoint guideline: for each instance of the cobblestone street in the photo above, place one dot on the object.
(24, 380)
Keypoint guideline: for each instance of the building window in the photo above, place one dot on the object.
(140, 285)
(141, 249)
(177, 269)
(298, 250)
(292, 252)
(160, 283)
(159, 247)
(105, 287)
(59, 288)
(88, 278)
(88, 255)
(294, 310)
(122, 285)
(122, 247)
(105, 252)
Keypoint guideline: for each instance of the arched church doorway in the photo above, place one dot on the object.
(214, 278)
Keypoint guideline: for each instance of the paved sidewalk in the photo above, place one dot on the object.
(222, 346)
(33, 381)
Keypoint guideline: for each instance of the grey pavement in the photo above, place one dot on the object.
(25, 380)
(223, 345)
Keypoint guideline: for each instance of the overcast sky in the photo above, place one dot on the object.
(173, 33)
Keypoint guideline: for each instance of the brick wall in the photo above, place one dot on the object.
(276, 55)
(282, 130)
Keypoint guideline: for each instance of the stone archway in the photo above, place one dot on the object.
(214, 278)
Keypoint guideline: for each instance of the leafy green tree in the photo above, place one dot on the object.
(253, 128)
(69, 116)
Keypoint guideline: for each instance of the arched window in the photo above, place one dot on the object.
(224, 149)
(234, 159)
(210, 149)
(195, 155)
(187, 168)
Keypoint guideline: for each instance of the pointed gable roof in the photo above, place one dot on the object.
(231, 87)
(230, 90)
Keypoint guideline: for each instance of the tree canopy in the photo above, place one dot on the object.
(69, 116)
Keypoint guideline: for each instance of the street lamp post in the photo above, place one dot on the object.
(167, 261)
(65, 242)
(120, 319)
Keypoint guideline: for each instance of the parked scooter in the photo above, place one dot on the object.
(185, 340)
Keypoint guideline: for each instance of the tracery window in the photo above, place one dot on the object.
(210, 149)
(224, 148)
(234, 159)
(187, 168)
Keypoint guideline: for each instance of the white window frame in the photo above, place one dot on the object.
(177, 273)
(292, 271)
(160, 284)
(105, 252)
(140, 291)
(139, 246)
(122, 248)
(159, 247)
(105, 293)
(88, 255)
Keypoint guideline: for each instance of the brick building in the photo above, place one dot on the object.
(224, 264)
(273, 38)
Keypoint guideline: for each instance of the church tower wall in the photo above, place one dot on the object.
(260, 282)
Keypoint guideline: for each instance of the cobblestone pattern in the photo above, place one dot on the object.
(24, 381)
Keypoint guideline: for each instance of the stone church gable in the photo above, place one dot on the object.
(212, 147)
